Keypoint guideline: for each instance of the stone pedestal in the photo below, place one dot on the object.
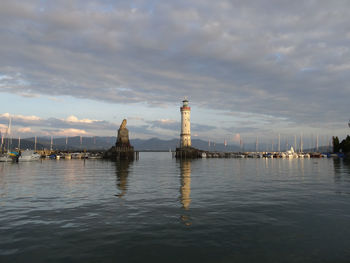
(121, 153)
(188, 153)
(122, 149)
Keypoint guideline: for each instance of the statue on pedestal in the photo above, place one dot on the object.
(122, 149)
(123, 136)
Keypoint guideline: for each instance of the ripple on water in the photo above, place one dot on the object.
(164, 210)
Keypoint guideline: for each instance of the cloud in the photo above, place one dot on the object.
(71, 125)
(167, 121)
(70, 132)
(55, 99)
(20, 119)
(3, 128)
(73, 119)
(5, 115)
(136, 118)
(282, 59)
(202, 127)
(175, 126)
(29, 95)
(165, 124)
(25, 130)
(236, 138)
(27, 118)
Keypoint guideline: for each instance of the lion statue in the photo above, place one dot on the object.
(123, 125)
(123, 135)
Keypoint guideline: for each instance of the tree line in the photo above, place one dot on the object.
(343, 146)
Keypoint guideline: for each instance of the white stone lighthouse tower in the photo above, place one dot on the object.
(185, 136)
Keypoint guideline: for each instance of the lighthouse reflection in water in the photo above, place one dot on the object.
(185, 189)
(122, 173)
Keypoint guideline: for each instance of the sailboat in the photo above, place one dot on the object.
(28, 155)
(8, 156)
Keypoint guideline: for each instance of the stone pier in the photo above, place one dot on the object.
(188, 153)
(122, 149)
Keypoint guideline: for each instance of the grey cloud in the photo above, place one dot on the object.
(285, 59)
(168, 125)
(52, 125)
(201, 127)
(143, 129)
(245, 130)
(176, 126)
(103, 125)
(61, 124)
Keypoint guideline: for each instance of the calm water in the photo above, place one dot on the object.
(158, 209)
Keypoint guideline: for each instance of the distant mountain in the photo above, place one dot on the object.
(204, 145)
(71, 143)
(153, 144)
(104, 143)
(24, 144)
(321, 149)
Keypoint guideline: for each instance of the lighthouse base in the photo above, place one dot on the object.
(188, 153)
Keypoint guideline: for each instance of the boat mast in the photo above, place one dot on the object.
(279, 142)
(35, 143)
(2, 142)
(272, 146)
(8, 135)
(329, 145)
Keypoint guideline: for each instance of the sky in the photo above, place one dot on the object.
(248, 68)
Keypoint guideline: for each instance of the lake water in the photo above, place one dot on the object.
(158, 209)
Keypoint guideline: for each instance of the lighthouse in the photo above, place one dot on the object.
(185, 136)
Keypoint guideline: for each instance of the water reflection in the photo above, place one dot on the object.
(185, 189)
(122, 172)
(341, 168)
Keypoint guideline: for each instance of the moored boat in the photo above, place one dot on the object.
(5, 157)
(67, 156)
(28, 155)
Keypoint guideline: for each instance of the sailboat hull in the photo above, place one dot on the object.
(6, 158)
